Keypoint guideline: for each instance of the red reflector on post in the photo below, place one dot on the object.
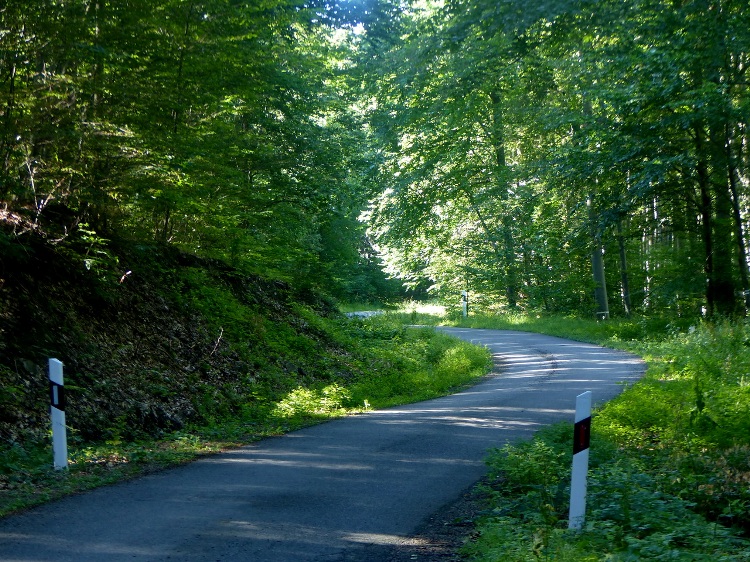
(581, 435)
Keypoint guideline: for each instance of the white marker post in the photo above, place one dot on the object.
(581, 439)
(465, 303)
(57, 413)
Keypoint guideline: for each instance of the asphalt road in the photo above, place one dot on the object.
(347, 490)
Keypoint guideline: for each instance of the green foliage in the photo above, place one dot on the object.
(697, 384)
(515, 154)
(224, 130)
(616, 332)
(496, 147)
(629, 515)
(691, 413)
(278, 365)
(669, 463)
(715, 360)
(326, 402)
(534, 475)
(415, 363)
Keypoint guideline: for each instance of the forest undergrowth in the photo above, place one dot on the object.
(669, 472)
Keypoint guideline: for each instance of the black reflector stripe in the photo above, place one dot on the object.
(57, 395)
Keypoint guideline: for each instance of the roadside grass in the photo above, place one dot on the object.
(363, 306)
(670, 457)
(669, 474)
(629, 515)
(396, 365)
(624, 333)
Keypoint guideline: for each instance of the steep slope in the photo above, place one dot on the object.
(140, 355)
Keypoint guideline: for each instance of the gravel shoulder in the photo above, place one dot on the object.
(442, 535)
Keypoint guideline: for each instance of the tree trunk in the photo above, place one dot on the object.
(706, 218)
(180, 78)
(8, 129)
(597, 252)
(725, 287)
(713, 166)
(624, 270)
(501, 175)
(734, 180)
(597, 263)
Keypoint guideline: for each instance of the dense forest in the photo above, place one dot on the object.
(510, 149)
(534, 143)
(190, 190)
(226, 129)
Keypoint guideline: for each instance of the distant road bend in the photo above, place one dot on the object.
(352, 489)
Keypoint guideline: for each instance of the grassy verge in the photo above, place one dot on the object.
(630, 516)
(670, 458)
(363, 306)
(388, 364)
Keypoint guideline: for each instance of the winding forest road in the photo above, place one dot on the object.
(349, 490)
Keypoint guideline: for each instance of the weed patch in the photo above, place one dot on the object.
(629, 514)
(670, 457)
